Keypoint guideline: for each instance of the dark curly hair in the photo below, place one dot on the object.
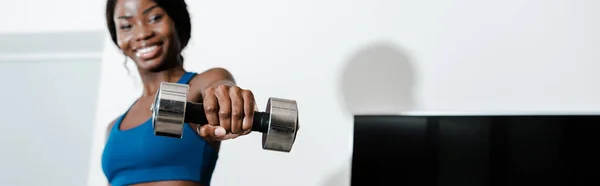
(176, 9)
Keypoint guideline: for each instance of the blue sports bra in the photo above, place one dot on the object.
(136, 155)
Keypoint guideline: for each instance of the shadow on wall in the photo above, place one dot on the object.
(341, 176)
(378, 79)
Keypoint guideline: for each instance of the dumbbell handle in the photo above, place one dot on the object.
(194, 113)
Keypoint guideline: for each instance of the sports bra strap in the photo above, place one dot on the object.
(185, 79)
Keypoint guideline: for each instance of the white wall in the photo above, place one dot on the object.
(48, 106)
(461, 56)
(47, 120)
(33, 16)
(47, 151)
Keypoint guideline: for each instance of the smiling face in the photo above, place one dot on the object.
(147, 34)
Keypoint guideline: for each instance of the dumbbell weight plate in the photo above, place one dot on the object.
(168, 110)
(283, 128)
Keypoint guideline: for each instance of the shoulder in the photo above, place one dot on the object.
(208, 78)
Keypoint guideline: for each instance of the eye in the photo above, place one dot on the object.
(155, 18)
(125, 27)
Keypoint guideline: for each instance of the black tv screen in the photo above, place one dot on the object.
(464, 150)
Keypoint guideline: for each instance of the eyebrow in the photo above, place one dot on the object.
(144, 12)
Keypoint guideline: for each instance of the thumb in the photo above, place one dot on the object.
(210, 131)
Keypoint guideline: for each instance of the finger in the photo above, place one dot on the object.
(211, 107)
(222, 94)
(246, 132)
(212, 132)
(230, 136)
(249, 109)
(237, 109)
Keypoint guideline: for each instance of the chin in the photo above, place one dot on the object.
(154, 65)
(152, 58)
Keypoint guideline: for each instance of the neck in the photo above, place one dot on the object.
(152, 80)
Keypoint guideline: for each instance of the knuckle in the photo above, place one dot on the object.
(210, 108)
(209, 90)
(237, 114)
(203, 132)
(232, 87)
(235, 90)
(223, 87)
(248, 94)
(224, 115)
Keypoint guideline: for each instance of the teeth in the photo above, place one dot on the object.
(145, 50)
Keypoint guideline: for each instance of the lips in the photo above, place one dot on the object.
(148, 52)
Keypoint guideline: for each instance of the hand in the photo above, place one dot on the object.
(229, 112)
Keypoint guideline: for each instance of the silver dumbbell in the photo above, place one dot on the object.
(170, 110)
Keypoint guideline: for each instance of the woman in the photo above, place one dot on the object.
(153, 33)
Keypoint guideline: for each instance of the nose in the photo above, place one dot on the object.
(144, 32)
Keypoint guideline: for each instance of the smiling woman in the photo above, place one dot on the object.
(153, 34)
